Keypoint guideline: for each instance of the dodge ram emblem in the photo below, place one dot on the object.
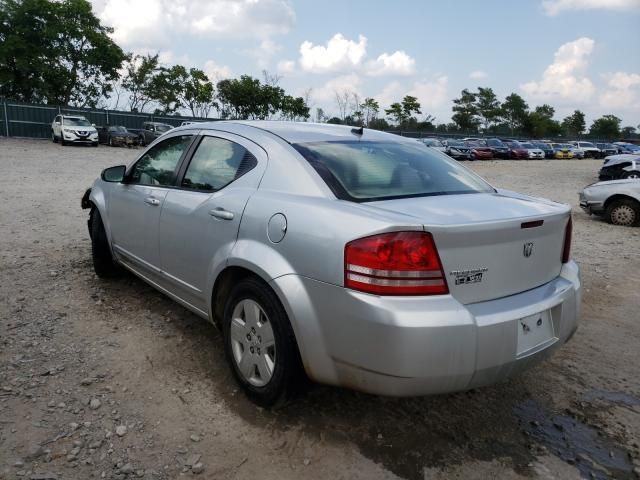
(528, 249)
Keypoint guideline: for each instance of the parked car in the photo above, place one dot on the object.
(534, 152)
(434, 143)
(115, 135)
(499, 149)
(624, 147)
(516, 150)
(356, 256)
(73, 129)
(458, 149)
(480, 150)
(617, 200)
(624, 165)
(152, 130)
(546, 148)
(587, 149)
(562, 151)
(607, 149)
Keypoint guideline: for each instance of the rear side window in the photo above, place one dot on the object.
(216, 163)
(369, 171)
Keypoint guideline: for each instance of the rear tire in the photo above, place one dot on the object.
(103, 263)
(260, 344)
(624, 212)
(633, 174)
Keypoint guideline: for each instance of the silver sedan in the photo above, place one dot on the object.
(353, 257)
(618, 201)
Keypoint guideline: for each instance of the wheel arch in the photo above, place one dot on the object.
(619, 196)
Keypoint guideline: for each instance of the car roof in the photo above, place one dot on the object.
(304, 132)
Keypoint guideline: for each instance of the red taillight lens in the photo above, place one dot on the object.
(399, 263)
(566, 249)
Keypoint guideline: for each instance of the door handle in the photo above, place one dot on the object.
(152, 201)
(221, 213)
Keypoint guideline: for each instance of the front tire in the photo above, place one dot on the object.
(624, 212)
(54, 139)
(260, 344)
(103, 263)
(633, 174)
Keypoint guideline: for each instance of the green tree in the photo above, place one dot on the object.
(56, 52)
(465, 112)
(379, 124)
(606, 127)
(515, 112)
(488, 107)
(140, 71)
(540, 123)
(396, 112)
(628, 131)
(410, 106)
(369, 109)
(574, 125)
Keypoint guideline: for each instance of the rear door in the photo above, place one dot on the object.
(201, 216)
(135, 205)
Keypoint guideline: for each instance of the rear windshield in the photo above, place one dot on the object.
(368, 171)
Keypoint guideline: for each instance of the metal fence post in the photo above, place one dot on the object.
(107, 112)
(6, 118)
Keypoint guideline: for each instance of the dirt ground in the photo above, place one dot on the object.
(110, 379)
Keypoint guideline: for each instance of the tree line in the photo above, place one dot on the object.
(57, 52)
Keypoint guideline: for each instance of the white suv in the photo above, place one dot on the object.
(587, 149)
(73, 129)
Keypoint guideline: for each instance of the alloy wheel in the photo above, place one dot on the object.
(253, 343)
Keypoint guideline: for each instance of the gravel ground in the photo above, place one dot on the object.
(110, 379)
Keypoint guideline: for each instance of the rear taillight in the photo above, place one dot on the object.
(566, 249)
(399, 263)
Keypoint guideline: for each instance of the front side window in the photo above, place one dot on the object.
(216, 163)
(157, 166)
(368, 171)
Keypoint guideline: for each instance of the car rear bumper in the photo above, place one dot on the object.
(409, 346)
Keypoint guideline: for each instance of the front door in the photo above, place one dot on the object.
(200, 218)
(135, 205)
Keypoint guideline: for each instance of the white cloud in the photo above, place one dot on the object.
(623, 92)
(398, 63)
(554, 7)
(338, 55)
(478, 75)
(326, 94)
(564, 79)
(286, 67)
(147, 23)
(216, 72)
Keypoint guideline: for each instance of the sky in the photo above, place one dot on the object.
(571, 54)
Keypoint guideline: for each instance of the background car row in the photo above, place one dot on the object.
(485, 149)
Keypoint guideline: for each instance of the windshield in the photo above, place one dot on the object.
(118, 129)
(586, 144)
(456, 143)
(542, 146)
(494, 143)
(77, 122)
(526, 145)
(161, 127)
(368, 171)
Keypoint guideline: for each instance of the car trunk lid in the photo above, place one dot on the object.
(491, 245)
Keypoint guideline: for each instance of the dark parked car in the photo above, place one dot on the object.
(117, 135)
(607, 149)
(549, 152)
(624, 147)
(152, 130)
(516, 150)
(458, 149)
(625, 165)
(499, 149)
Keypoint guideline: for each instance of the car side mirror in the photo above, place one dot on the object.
(113, 174)
(93, 125)
(57, 123)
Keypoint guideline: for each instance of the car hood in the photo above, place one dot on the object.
(609, 183)
(623, 157)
